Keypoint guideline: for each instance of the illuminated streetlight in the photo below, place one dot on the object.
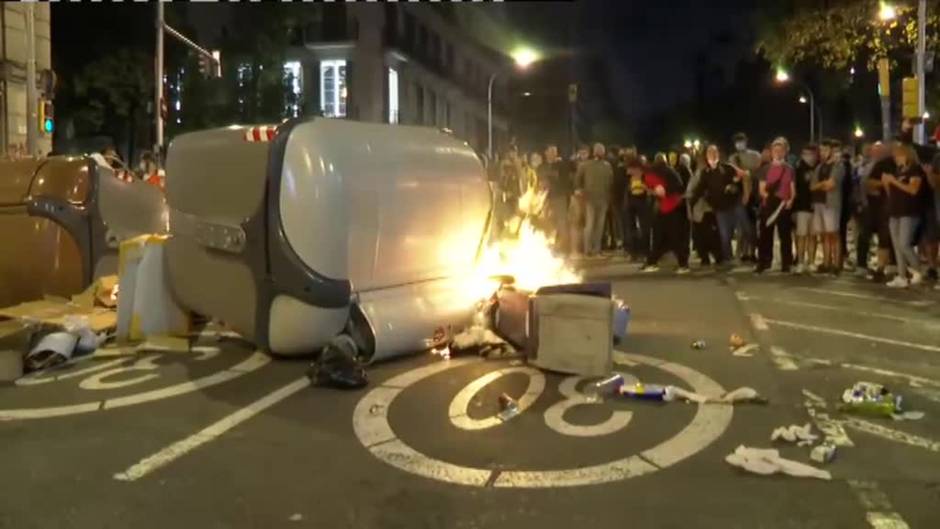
(803, 99)
(926, 115)
(687, 144)
(887, 12)
(859, 133)
(524, 57)
(526, 94)
(782, 75)
(696, 144)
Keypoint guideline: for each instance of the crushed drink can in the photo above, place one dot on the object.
(698, 344)
(646, 392)
(509, 408)
(823, 453)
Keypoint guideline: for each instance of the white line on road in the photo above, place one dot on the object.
(911, 379)
(207, 434)
(912, 302)
(838, 332)
(782, 359)
(758, 322)
(879, 512)
(842, 309)
(891, 434)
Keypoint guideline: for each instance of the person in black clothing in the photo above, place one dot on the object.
(874, 215)
(905, 207)
(617, 196)
(803, 205)
(720, 185)
(848, 207)
(555, 175)
(671, 228)
(637, 211)
(776, 192)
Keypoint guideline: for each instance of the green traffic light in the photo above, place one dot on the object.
(48, 125)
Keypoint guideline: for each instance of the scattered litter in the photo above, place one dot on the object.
(646, 391)
(768, 461)
(823, 453)
(297, 517)
(375, 409)
(516, 362)
(746, 350)
(15, 337)
(338, 366)
(51, 350)
(605, 388)
(869, 398)
(443, 352)
(814, 397)
(794, 434)
(621, 320)
(908, 416)
(743, 395)
(509, 408)
(735, 341)
(699, 344)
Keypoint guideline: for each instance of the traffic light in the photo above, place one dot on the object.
(909, 98)
(46, 117)
(211, 66)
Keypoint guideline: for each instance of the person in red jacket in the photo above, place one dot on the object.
(671, 224)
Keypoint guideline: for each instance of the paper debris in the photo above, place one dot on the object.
(767, 462)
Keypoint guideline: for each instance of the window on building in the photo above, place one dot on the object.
(293, 89)
(392, 95)
(419, 104)
(333, 88)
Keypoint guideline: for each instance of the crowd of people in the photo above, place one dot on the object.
(739, 207)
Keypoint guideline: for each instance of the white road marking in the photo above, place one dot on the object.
(912, 302)
(370, 422)
(838, 332)
(252, 363)
(911, 379)
(555, 414)
(460, 407)
(741, 295)
(891, 434)
(782, 359)
(831, 428)
(97, 381)
(842, 309)
(879, 512)
(32, 381)
(758, 322)
(209, 433)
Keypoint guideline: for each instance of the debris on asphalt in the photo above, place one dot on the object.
(375, 409)
(908, 416)
(869, 398)
(735, 341)
(604, 388)
(823, 453)
(15, 337)
(794, 434)
(509, 408)
(768, 461)
(641, 391)
(338, 366)
(621, 320)
(146, 306)
(51, 350)
(746, 350)
(699, 344)
(296, 517)
(743, 395)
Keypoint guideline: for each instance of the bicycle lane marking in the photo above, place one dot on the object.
(370, 422)
(252, 363)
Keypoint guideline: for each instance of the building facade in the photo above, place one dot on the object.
(404, 64)
(14, 50)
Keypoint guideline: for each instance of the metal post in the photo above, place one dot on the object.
(812, 116)
(489, 119)
(32, 113)
(921, 53)
(885, 118)
(158, 88)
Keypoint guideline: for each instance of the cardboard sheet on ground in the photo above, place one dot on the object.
(56, 311)
(767, 462)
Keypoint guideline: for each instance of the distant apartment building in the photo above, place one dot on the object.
(13, 60)
(400, 64)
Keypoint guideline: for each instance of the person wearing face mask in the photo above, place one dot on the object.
(777, 190)
(904, 211)
(595, 178)
(719, 184)
(803, 205)
(826, 188)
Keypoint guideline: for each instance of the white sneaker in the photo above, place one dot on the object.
(682, 270)
(898, 282)
(916, 278)
(799, 269)
(650, 268)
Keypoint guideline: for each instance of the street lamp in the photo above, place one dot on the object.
(783, 77)
(687, 144)
(887, 12)
(523, 58)
(859, 133)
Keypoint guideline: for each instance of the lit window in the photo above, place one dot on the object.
(392, 95)
(293, 84)
(333, 88)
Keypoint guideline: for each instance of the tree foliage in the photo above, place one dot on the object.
(111, 92)
(847, 35)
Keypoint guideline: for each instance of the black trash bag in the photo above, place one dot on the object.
(338, 366)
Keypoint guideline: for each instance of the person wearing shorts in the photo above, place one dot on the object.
(826, 188)
(803, 205)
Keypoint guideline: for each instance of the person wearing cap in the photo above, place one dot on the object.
(777, 190)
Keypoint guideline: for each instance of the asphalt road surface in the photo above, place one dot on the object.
(223, 438)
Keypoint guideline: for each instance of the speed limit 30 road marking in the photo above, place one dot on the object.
(370, 422)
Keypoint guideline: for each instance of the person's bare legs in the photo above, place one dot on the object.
(800, 250)
(811, 250)
(835, 252)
